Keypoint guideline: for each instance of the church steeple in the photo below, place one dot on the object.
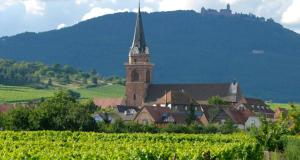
(139, 67)
(139, 45)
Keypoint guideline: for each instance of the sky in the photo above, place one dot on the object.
(17, 16)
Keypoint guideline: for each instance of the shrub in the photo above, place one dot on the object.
(291, 149)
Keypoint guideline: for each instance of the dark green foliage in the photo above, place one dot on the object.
(172, 128)
(49, 83)
(191, 115)
(210, 129)
(40, 75)
(294, 118)
(291, 148)
(228, 127)
(95, 80)
(73, 94)
(60, 112)
(270, 134)
(216, 100)
(2, 121)
(18, 119)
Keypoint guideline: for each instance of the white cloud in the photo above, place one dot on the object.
(35, 7)
(60, 26)
(79, 2)
(171, 5)
(54, 12)
(97, 11)
(144, 9)
(6, 3)
(292, 14)
(230, 1)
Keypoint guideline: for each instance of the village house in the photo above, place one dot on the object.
(280, 113)
(164, 115)
(108, 102)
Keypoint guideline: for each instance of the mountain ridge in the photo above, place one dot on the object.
(260, 54)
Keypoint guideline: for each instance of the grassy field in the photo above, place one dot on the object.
(281, 105)
(15, 94)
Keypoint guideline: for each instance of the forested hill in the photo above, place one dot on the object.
(186, 47)
(40, 75)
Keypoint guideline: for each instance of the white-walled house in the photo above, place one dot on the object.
(253, 121)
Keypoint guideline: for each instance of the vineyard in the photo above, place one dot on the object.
(84, 145)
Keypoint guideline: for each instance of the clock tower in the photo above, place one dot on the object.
(138, 67)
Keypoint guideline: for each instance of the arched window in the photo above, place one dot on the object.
(134, 97)
(135, 76)
(148, 76)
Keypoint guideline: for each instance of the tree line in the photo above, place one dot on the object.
(40, 75)
(64, 111)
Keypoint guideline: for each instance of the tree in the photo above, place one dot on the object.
(93, 72)
(216, 100)
(84, 81)
(228, 127)
(65, 79)
(49, 83)
(73, 94)
(95, 80)
(191, 115)
(18, 118)
(270, 134)
(1, 121)
(63, 112)
(294, 119)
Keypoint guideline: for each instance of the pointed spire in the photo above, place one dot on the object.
(139, 36)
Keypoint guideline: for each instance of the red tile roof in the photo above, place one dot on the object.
(199, 92)
(177, 97)
(108, 102)
(157, 112)
(255, 101)
(238, 116)
(4, 107)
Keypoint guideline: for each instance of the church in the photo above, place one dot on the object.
(161, 104)
(140, 91)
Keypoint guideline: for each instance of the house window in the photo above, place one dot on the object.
(145, 121)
